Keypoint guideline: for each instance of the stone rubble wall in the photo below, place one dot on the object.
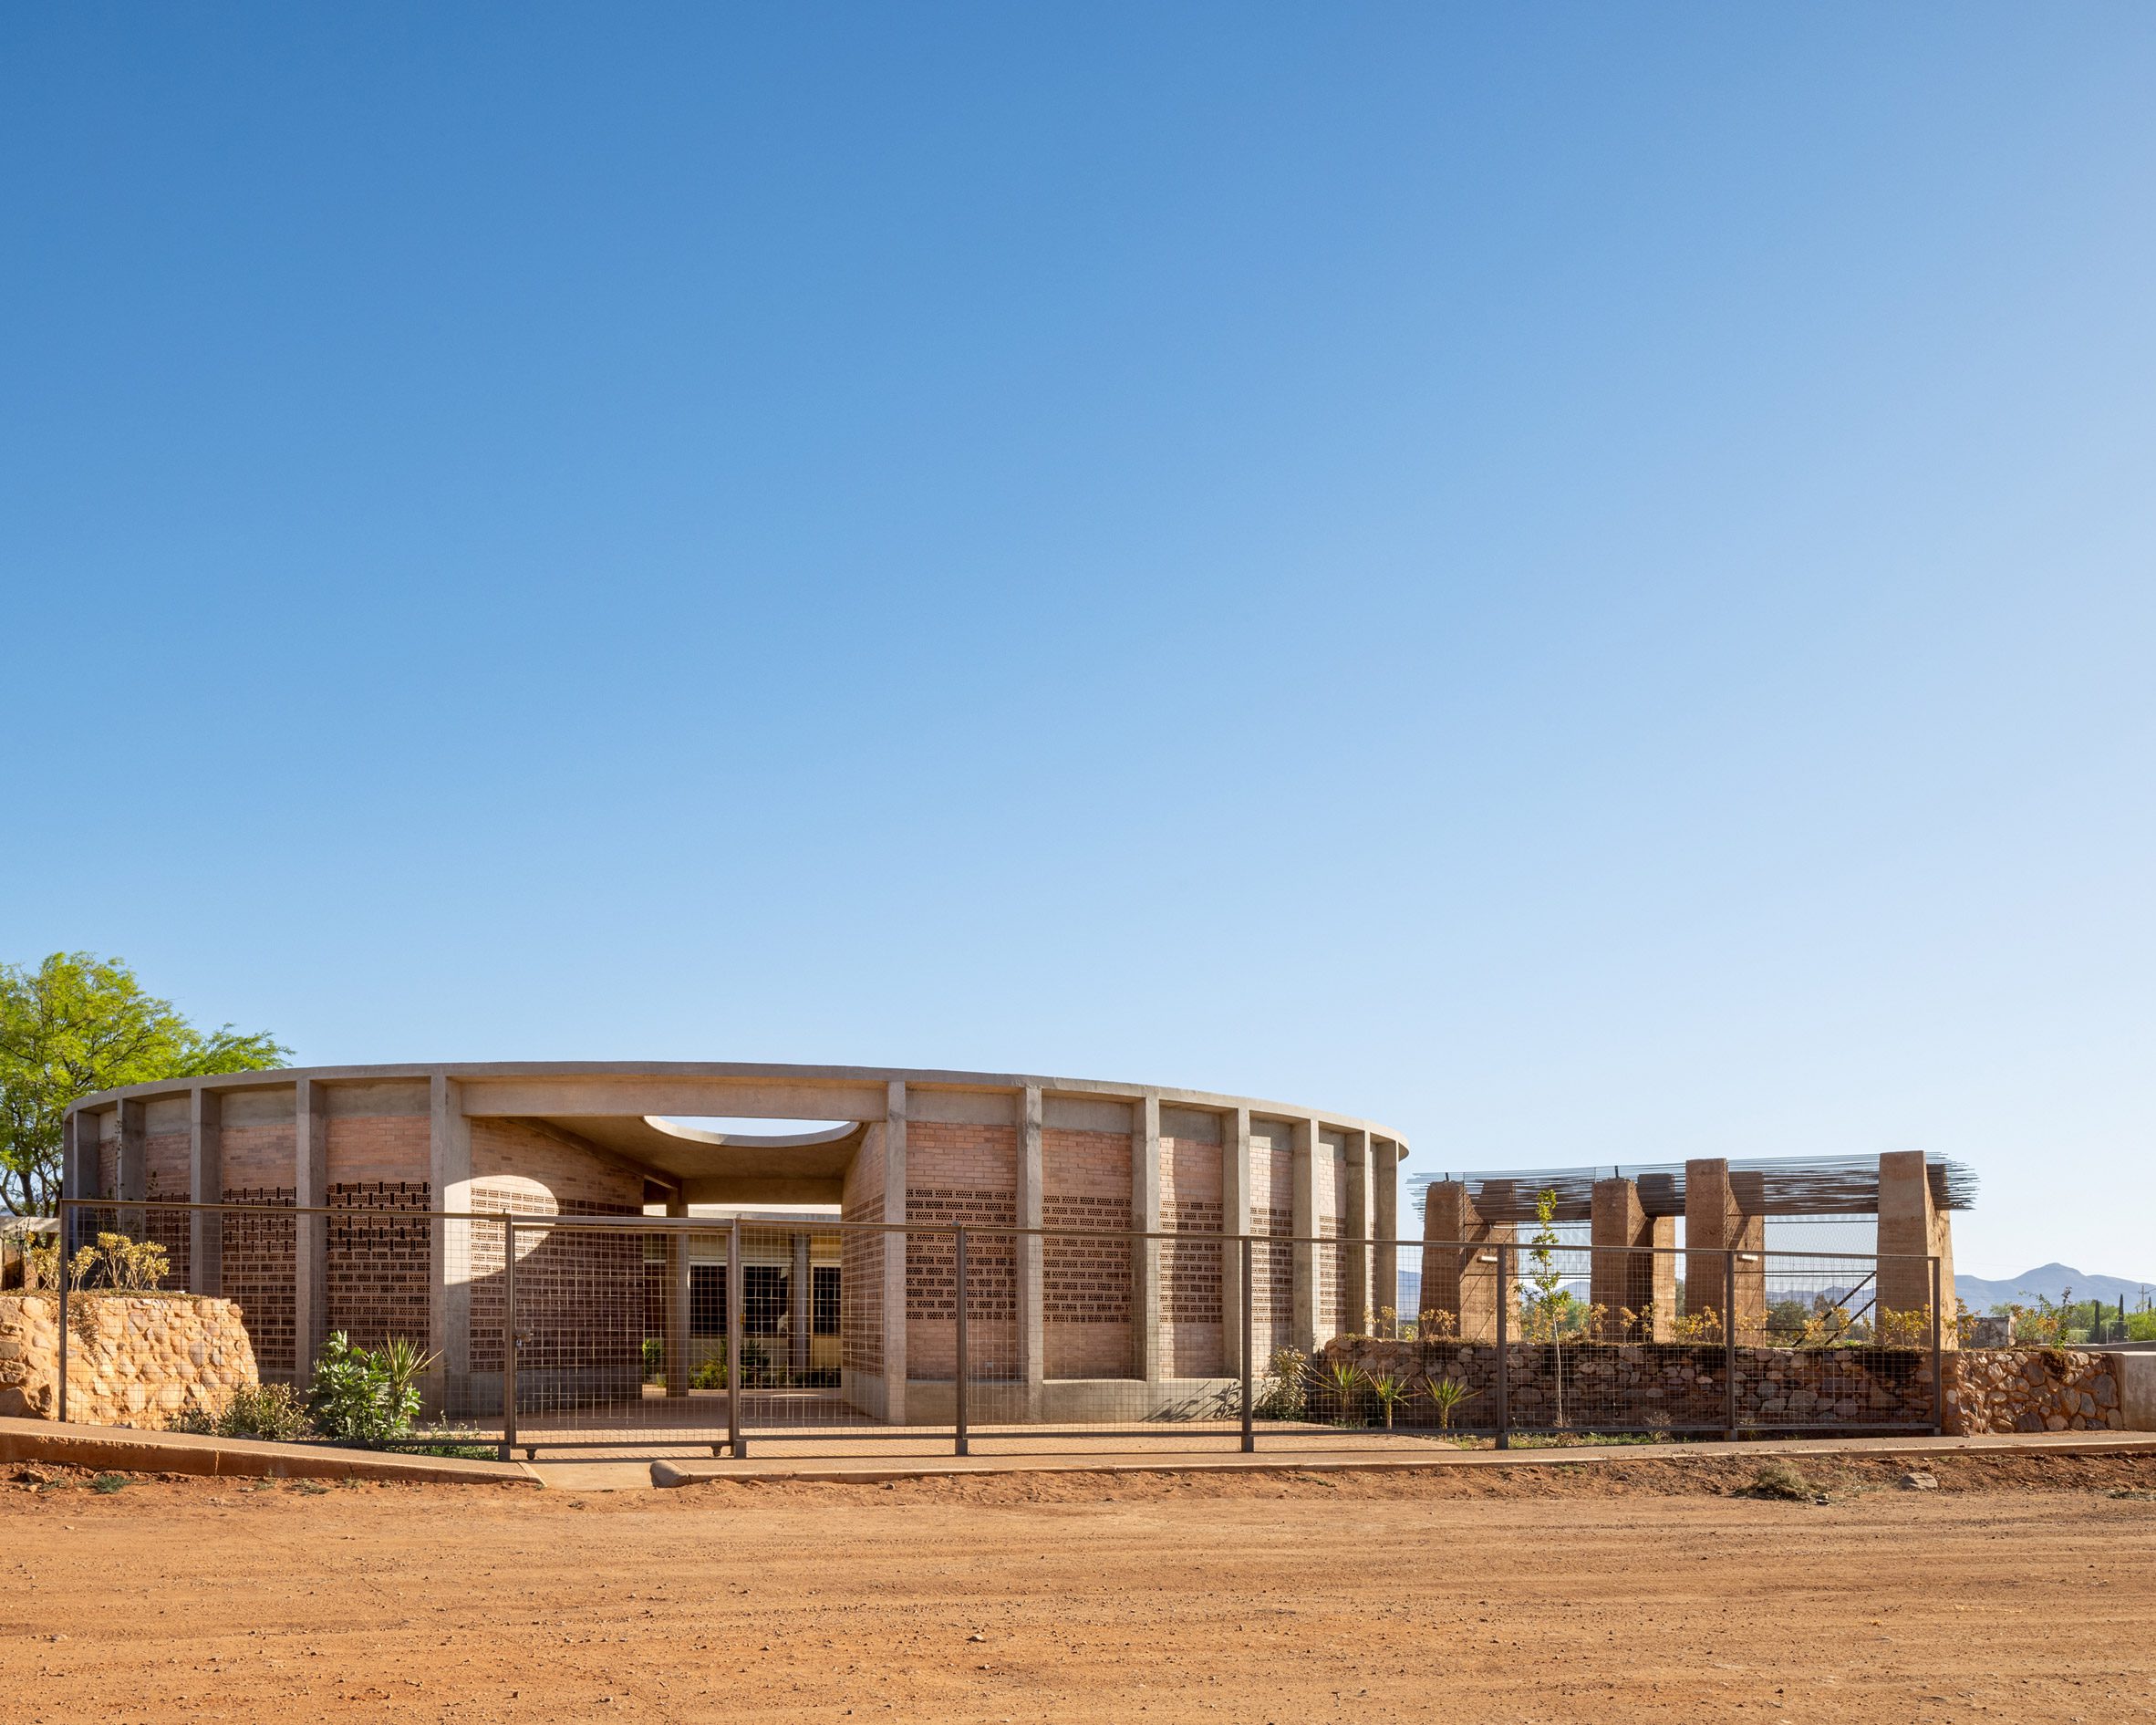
(132, 1359)
(2034, 1389)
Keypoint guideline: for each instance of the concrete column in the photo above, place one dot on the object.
(78, 1172)
(1303, 1310)
(1360, 1318)
(1384, 1222)
(1911, 1229)
(1032, 1281)
(673, 1352)
(802, 1289)
(1626, 1274)
(449, 1174)
(310, 1257)
(1235, 1220)
(1145, 1213)
(1715, 1224)
(894, 1277)
(1457, 1284)
(205, 1185)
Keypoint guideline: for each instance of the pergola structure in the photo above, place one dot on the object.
(1632, 1214)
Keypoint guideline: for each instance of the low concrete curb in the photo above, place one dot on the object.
(675, 1474)
(116, 1450)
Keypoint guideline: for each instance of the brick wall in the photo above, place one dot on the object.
(165, 1158)
(1086, 1305)
(861, 1261)
(381, 1262)
(1190, 1273)
(580, 1291)
(254, 1156)
(372, 1149)
(961, 1174)
(260, 1256)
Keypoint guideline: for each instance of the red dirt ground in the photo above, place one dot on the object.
(2023, 1588)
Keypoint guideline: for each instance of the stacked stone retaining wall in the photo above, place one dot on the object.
(1652, 1386)
(133, 1360)
(2034, 1389)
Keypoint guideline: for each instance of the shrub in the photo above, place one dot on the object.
(1779, 1479)
(270, 1411)
(655, 1360)
(363, 1397)
(1286, 1395)
(710, 1374)
(118, 1263)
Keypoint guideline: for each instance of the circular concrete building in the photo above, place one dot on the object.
(1043, 1172)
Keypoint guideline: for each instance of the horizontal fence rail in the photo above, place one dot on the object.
(536, 1331)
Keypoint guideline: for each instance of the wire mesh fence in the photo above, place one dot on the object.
(535, 1330)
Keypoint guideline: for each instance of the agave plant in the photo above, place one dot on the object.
(1344, 1382)
(1391, 1389)
(1447, 1394)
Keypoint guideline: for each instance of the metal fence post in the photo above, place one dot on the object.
(508, 1336)
(1249, 1347)
(1938, 1361)
(735, 1367)
(60, 1258)
(959, 1386)
(1504, 1345)
(1729, 1343)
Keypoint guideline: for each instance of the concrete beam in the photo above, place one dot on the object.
(205, 1185)
(742, 1099)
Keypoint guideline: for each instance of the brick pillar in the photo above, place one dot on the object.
(1627, 1275)
(1455, 1281)
(894, 1253)
(1716, 1224)
(1910, 1229)
(205, 1185)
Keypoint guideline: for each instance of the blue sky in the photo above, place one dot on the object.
(1575, 581)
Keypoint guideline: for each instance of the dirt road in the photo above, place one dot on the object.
(1633, 1593)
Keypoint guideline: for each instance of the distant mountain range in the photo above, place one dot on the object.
(2052, 1282)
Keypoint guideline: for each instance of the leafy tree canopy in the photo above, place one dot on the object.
(78, 1024)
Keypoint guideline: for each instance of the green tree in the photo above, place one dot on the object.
(78, 1024)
